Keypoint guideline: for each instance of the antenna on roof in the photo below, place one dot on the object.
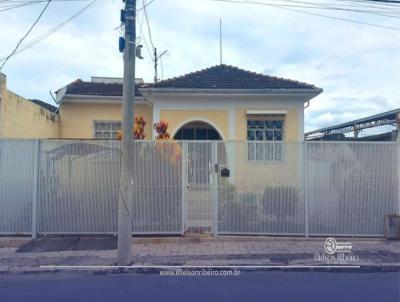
(220, 41)
(156, 59)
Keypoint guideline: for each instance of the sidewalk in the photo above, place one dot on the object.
(275, 252)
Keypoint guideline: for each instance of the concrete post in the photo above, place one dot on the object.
(35, 191)
(214, 148)
(127, 144)
(398, 172)
(184, 185)
(304, 176)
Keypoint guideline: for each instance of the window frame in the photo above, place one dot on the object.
(252, 144)
(95, 122)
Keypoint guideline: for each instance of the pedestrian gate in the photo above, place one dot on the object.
(203, 163)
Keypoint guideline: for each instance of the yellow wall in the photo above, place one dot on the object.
(290, 124)
(20, 118)
(77, 119)
(254, 176)
(176, 119)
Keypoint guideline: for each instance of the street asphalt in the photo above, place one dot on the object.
(248, 286)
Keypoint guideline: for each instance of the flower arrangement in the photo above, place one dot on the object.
(138, 129)
(170, 151)
(161, 129)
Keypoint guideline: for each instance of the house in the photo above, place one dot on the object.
(220, 102)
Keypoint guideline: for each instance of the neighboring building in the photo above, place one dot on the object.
(23, 118)
(337, 132)
(220, 102)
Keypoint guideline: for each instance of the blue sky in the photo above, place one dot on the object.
(356, 65)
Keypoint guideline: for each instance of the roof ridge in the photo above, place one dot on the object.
(229, 77)
(188, 74)
(267, 75)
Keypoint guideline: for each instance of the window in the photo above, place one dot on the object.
(197, 134)
(260, 131)
(106, 130)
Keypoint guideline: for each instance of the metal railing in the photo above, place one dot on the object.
(225, 187)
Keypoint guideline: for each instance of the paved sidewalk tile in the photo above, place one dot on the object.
(289, 251)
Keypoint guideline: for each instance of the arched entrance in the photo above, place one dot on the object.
(197, 130)
(199, 135)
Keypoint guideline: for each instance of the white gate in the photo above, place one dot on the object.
(199, 195)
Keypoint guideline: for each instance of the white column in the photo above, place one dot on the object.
(304, 181)
(215, 172)
(230, 146)
(156, 118)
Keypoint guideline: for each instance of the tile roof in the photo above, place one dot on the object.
(229, 77)
(44, 105)
(80, 87)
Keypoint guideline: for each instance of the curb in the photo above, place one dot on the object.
(15, 241)
(156, 270)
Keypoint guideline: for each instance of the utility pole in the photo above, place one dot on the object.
(156, 58)
(127, 146)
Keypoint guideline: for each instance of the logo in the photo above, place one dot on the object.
(331, 246)
(336, 252)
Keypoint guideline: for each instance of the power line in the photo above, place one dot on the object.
(148, 23)
(149, 52)
(385, 1)
(345, 8)
(145, 5)
(55, 29)
(309, 13)
(10, 5)
(141, 22)
(332, 6)
(27, 33)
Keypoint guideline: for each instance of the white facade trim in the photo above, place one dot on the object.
(91, 99)
(312, 92)
(259, 112)
(232, 123)
(227, 103)
(198, 119)
(156, 118)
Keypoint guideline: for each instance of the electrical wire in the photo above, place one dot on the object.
(325, 6)
(26, 34)
(309, 13)
(148, 24)
(10, 5)
(55, 29)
